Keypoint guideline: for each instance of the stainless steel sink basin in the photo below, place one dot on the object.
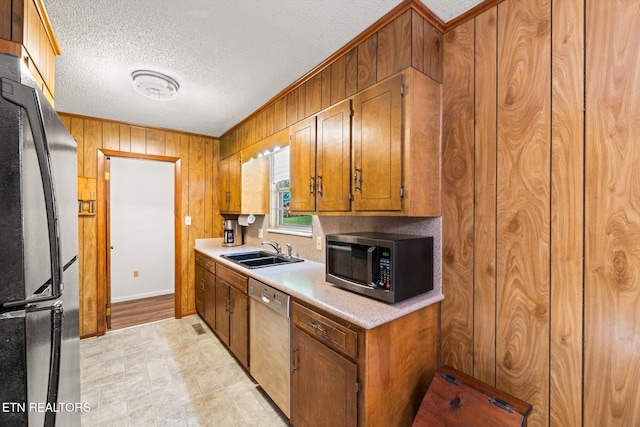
(260, 259)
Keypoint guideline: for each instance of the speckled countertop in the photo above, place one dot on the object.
(306, 281)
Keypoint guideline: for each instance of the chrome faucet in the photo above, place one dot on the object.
(289, 249)
(275, 246)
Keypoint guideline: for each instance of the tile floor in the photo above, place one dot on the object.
(165, 374)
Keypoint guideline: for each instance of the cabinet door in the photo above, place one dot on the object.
(224, 185)
(302, 169)
(222, 310)
(333, 152)
(199, 286)
(209, 299)
(235, 183)
(323, 385)
(238, 326)
(377, 147)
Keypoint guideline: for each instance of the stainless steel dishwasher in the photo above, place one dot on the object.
(269, 341)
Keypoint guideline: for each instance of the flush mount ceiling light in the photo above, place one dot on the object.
(155, 85)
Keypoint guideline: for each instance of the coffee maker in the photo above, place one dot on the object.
(232, 236)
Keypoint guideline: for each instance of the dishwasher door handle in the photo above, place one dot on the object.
(266, 299)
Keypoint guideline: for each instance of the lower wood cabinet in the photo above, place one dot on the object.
(221, 300)
(348, 376)
(323, 384)
(205, 288)
(232, 312)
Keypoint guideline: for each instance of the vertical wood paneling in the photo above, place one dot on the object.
(138, 140)
(433, 52)
(188, 269)
(367, 52)
(110, 136)
(270, 118)
(92, 141)
(280, 118)
(457, 199)
(484, 295)
(301, 102)
(612, 214)
(125, 138)
(197, 191)
(524, 203)
(292, 107)
(172, 144)
(394, 46)
(338, 80)
(259, 129)
(351, 76)
(325, 88)
(417, 41)
(567, 184)
(155, 142)
(313, 98)
(210, 162)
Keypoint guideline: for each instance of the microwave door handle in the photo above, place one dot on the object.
(27, 98)
(370, 252)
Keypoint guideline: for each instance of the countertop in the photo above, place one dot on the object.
(306, 282)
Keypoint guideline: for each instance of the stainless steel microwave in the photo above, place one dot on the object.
(387, 267)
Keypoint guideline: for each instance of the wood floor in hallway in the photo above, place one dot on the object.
(140, 311)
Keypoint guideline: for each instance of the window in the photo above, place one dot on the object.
(282, 218)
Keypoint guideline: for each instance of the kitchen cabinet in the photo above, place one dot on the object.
(323, 385)
(346, 375)
(321, 161)
(230, 184)
(205, 289)
(231, 312)
(396, 146)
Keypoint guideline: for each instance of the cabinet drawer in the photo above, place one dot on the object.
(232, 277)
(207, 263)
(332, 334)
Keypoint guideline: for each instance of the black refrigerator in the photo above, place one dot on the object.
(39, 343)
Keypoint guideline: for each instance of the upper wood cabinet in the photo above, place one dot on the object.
(333, 159)
(320, 161)
(377, 147)
(302, 172)
(396, 146)
(25, 31)
(230, 184)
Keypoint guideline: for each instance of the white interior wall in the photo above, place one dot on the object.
(142, 228)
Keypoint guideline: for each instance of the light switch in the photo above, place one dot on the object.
(260, 233)
(319, 243)
(187, 220)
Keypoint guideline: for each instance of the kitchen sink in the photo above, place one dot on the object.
(260, 259)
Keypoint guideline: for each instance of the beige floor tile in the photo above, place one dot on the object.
(165, 374)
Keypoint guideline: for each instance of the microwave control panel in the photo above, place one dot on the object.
(384, 269)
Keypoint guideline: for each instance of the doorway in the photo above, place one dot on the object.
(138, 274)
(141, 203)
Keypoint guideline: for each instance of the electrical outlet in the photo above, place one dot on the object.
(187, 220)
(136, 273)
(260, 233)
(319, 243)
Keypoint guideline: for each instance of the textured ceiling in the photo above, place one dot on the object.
(229, 56)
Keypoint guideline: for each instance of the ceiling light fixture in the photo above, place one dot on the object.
(155, 85)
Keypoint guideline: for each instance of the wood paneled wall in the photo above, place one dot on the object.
(406, 40)
(541, 207)
(198, 157)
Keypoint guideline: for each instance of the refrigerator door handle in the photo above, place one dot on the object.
(57, 315)
(27, 98)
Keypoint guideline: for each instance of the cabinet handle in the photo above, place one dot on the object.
(202, 285)
(311, 185)
(319, 329)
(357, 183)
(230, 306)
(319, 185)
(294, 361)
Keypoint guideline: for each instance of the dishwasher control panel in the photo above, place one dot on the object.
(273, 298)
